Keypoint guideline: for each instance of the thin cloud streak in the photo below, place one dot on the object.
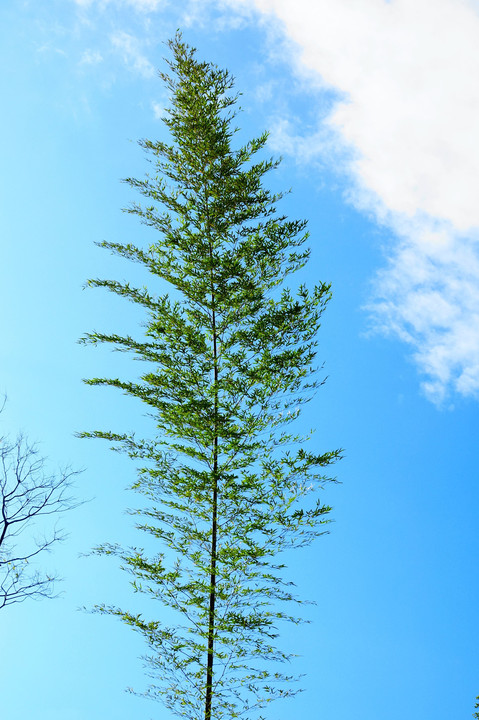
(405, 132)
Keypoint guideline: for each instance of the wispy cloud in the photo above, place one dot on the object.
(197, 13)
(158, 110)
(91, 57)
(130, 48)
(140, 5)
(145, 5)
(49, 48)
(405, 130)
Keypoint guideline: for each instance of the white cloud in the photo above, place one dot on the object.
(406, 128)
(129, 47)
(428, 296)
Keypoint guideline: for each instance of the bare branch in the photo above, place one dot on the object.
(28, 492)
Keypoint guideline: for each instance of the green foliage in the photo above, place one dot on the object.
(230, 357)
(476, 706)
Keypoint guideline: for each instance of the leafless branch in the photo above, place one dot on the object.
(28, 492)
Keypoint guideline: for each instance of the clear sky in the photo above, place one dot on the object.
(374, 107)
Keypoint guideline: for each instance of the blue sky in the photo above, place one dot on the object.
(374, 107)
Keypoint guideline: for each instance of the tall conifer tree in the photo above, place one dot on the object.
(230, 356)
